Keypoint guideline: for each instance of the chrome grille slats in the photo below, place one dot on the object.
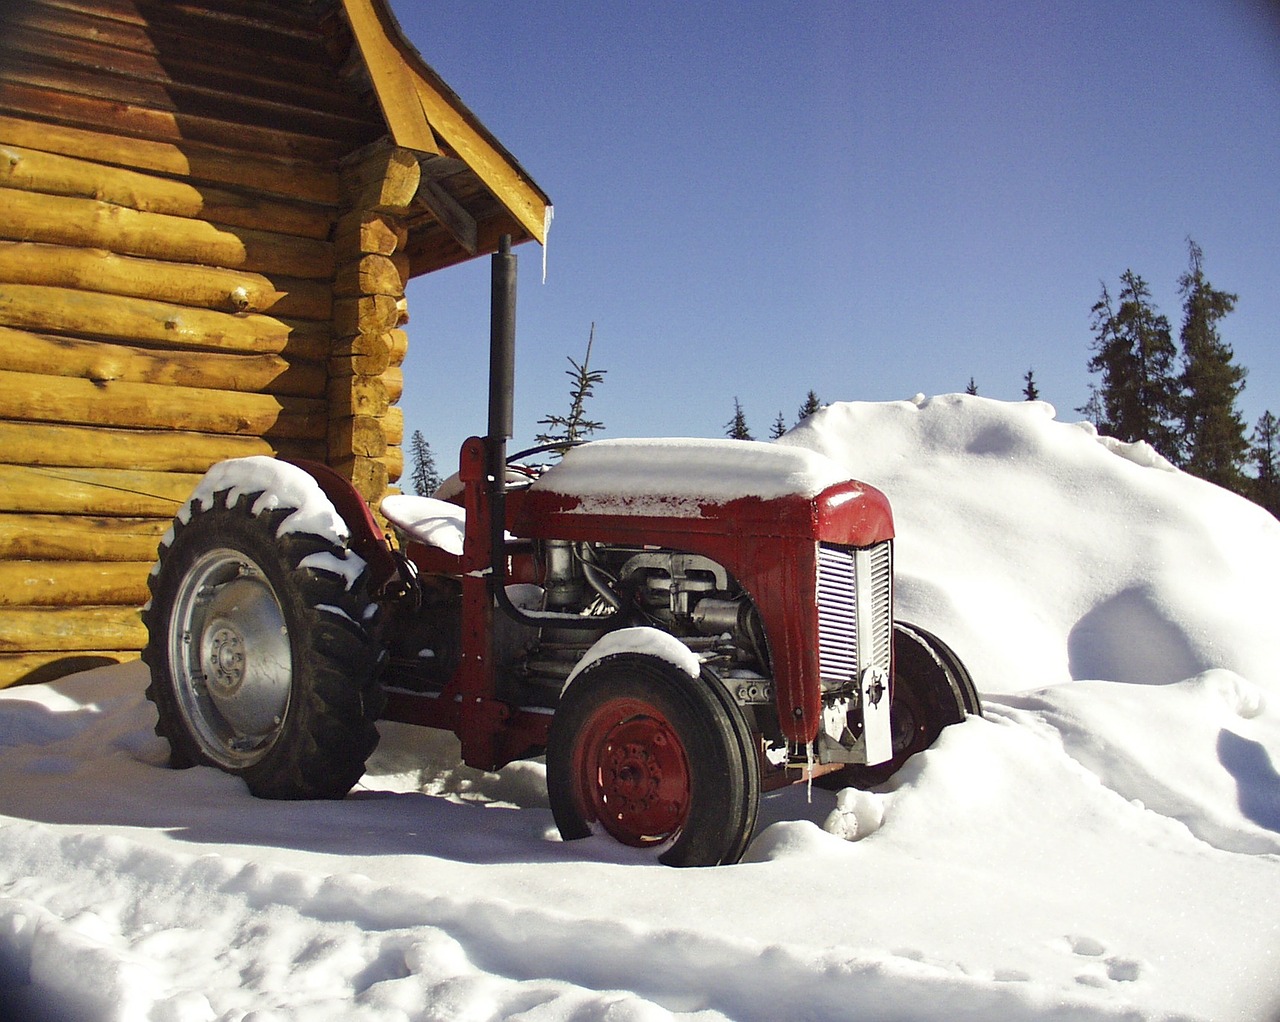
(855, 597)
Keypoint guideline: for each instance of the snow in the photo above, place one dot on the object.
(1103, 844)
(645, 641)
(674, 476)
(430, 521)
(279, 484)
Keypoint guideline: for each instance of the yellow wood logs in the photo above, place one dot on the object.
(94, 491)
(209, 287)
(73, 583)
(310, 182)
(50, 173)
(89, 223)
(22, 351)
(70, 628)
(86, 314)
(163, 450)
(79, 538)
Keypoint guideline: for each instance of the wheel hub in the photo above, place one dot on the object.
(237, 663)
(226, 671)
(641, 789)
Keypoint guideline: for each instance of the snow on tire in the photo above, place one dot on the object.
(261, 647)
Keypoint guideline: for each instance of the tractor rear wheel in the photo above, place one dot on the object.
(263, 662)
(653, 758)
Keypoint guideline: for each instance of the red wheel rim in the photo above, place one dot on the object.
(632, 773)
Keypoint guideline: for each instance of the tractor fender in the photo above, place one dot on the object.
(367, 538)
(648, 641)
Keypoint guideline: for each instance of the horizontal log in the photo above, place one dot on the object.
(39, 668)
(64, 446)
(368, 475)
(208, 287)
(308, 182)
(369, 354)
(394, 460)
(225, 44)
(76, 99)
(143, 321)
(393, 425)
(358, 436)
(90, 223)
(73, 583)
(29, 629)
(381, 179)
(26, 352)
(53, 399)
(360, 231)
(372, 275)
(370, 314)
(175, 81)
(51, 173)
(79, 538)
(93, 491)
(357, 395)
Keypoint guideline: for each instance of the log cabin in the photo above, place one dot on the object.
(209, 210)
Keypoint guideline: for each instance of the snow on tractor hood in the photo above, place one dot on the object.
(673, 476)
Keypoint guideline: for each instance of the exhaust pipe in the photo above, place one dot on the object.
(502, 371)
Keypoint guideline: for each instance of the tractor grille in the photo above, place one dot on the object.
(855, 600)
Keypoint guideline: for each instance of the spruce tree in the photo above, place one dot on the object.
(736, 428)
(1213, 431)
(1266, 484)
(424, 476)
(1031, 392)
(575, 426)
(1092, 409)
(811, 405)
(778, 428)
(972, 388)
(1134, 353)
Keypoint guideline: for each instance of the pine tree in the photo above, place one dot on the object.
(811, 405)
(778, 428)
(1266, 484)
(1092, 409)
(1031, 392)
(575, 426)
(736, 428)
(1213, 431)
(972, 389)
(424, 476)
(1134, 352)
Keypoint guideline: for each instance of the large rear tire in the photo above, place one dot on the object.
(932, 690)
(653, 757)
(261, 648)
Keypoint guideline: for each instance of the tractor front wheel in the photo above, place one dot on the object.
(654, 758)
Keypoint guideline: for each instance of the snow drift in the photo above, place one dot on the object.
(1105, 844)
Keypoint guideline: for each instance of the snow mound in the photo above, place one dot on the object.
(1044, 553)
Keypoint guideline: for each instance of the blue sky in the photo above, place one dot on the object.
(867, 199)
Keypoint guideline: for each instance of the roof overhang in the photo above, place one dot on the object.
(472, 191)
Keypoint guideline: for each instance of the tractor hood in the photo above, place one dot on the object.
(722, 485)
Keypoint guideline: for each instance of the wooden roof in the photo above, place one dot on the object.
(473, 189)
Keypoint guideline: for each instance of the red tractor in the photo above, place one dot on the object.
(678, 625)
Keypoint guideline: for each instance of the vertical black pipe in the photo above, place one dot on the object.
(502, 354)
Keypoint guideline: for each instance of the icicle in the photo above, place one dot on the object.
(547, 217)
(808, 764)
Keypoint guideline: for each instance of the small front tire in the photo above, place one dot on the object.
(653, 758)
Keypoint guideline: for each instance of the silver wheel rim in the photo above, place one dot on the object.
(231, 659)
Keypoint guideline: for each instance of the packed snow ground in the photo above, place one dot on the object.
(1103, 844)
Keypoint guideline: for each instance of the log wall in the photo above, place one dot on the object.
(202, 234)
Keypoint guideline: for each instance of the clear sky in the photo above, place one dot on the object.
(869, 199)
